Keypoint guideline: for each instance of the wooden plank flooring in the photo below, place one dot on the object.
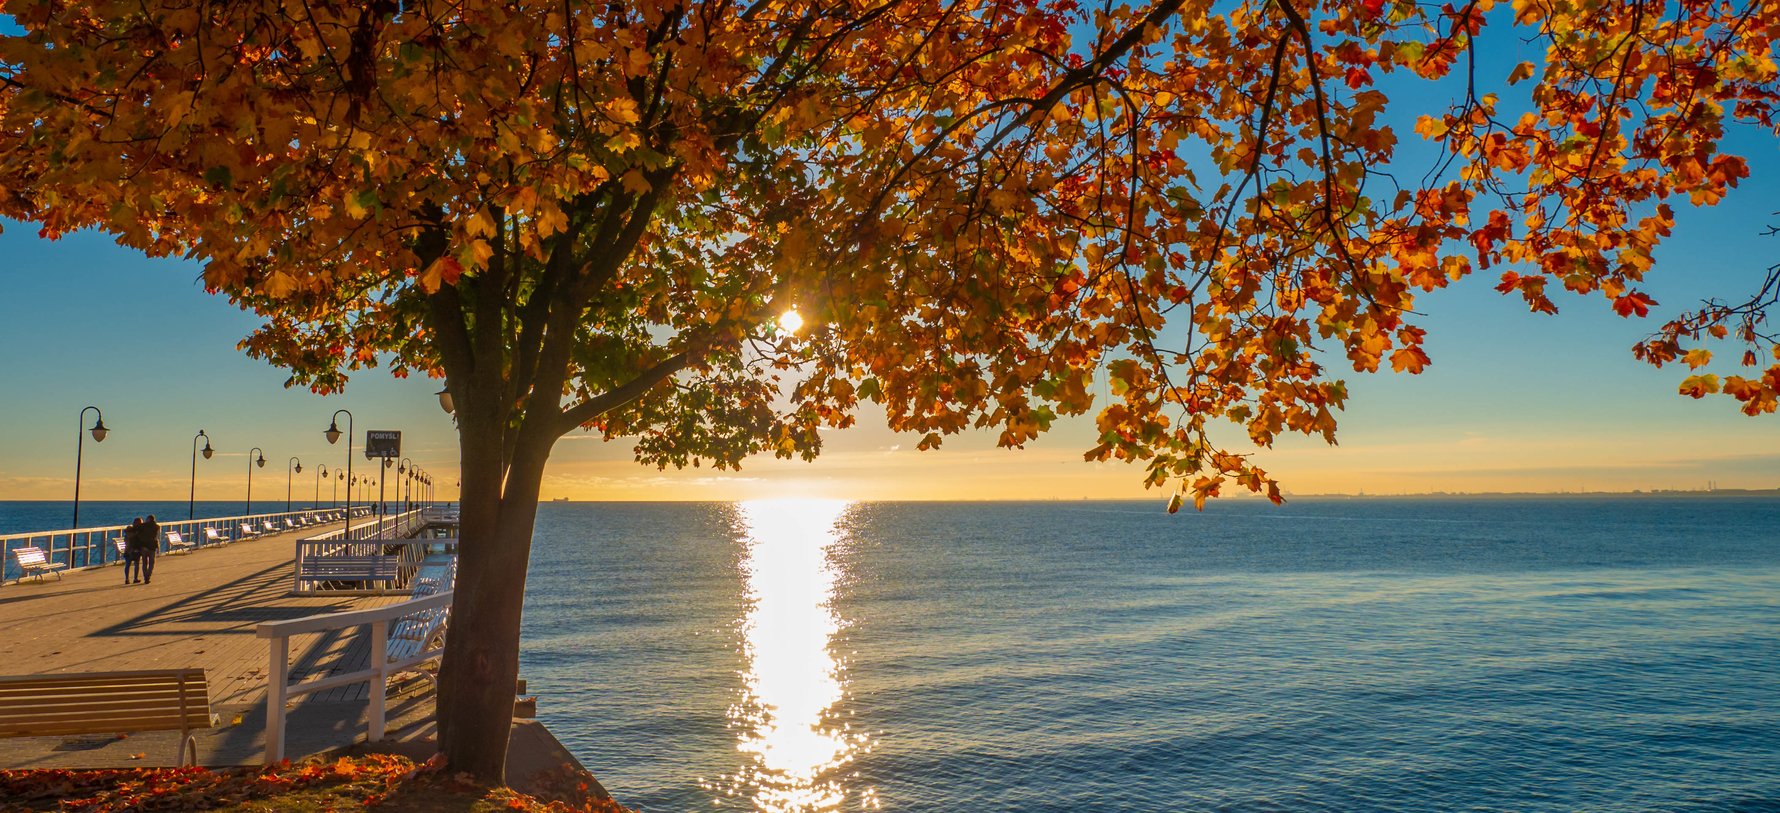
(200, 611)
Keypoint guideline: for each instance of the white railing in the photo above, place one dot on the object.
(365, 543)
(92, 547)
(382, 526)
(362, 567)
(279, 689)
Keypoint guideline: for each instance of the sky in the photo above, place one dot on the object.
(1512, 402)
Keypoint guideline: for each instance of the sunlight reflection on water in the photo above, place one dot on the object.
(796, 751)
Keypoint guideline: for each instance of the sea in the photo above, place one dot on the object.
(21, 516)
(1327, 655)
(1538, 654)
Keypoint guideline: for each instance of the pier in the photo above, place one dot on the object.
(205, 609)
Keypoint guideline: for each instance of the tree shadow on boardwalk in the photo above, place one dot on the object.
(225, 606)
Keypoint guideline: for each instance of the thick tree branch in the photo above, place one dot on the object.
(619, 396)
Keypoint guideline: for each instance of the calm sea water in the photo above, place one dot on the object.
(21, 516)
(1419, 655)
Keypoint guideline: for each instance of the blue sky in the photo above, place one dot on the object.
(1513, 401)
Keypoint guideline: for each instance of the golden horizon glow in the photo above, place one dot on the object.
(792, 682)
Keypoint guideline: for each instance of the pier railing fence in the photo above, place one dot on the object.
(384, 660)
(94, 547)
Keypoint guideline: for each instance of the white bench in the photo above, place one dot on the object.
(108, 703)
(371, 568)
(119, 543)
(269, 527)
(410, 634)
(32, 562)
(211, 537)
(247, 532)
(176, 543)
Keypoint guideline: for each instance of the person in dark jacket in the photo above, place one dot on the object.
(151, 545)
(133, 552)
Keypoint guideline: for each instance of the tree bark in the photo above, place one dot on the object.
(481, 662)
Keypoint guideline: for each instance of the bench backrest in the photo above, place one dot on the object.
(104, 703)
(30, 557)
(173, 538)
(210, 533)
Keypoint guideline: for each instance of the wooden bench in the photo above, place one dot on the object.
(32, 562)
(119, 543)
(176, 543)
(372, 568)
(211, 537)
(108, 703)
(410, 635)
(247, 532)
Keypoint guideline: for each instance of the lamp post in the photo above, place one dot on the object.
(339, 477)
(99, 431)
(406, 470)
(333, 435)
(191, 500)
(287, 479)
(251, 454)
(319, 474)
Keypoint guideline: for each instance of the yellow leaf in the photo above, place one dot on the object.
(1699, 386)
(481, 250)
(281, 285)
(623, 111)
(635, 183)
(481, 223)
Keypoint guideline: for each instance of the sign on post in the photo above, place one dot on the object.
(382, 443)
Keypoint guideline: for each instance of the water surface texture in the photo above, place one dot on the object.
(1513, 655)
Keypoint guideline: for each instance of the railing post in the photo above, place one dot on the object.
(379, 664)
(278, 683)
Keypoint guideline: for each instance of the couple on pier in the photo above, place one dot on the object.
(142, 540)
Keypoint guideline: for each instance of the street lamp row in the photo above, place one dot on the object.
(410, 473)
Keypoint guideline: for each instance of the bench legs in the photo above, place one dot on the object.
(188, 748)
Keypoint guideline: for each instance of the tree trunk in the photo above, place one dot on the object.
(481, 662)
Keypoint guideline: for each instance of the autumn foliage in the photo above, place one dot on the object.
(368, 782)
(981, 203)
(592, 214)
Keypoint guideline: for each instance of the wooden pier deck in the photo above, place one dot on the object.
(201, 610)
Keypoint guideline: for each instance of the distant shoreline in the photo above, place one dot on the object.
(1545, 495)
(1239, 497)
(1434, 495)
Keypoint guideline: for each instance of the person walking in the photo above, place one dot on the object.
(151, 545)
(133, 552)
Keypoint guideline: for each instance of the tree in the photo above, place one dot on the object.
(593, 214)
